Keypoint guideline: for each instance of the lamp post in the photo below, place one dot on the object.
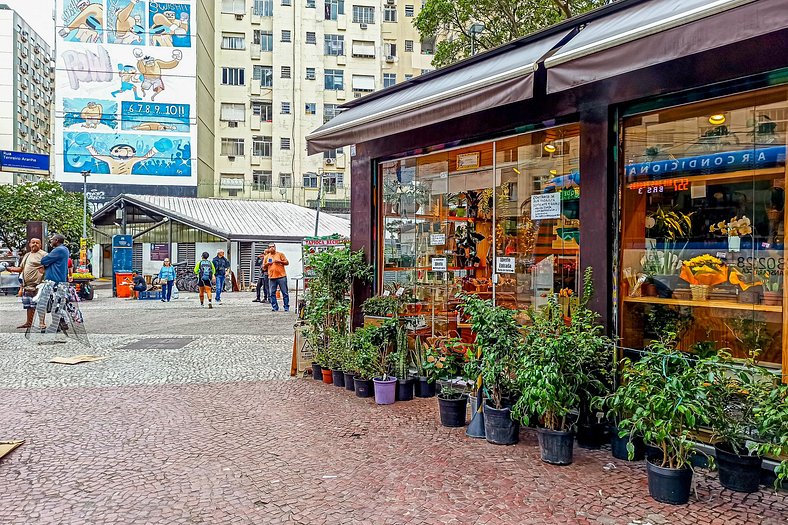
(85, 175)
(476, 29)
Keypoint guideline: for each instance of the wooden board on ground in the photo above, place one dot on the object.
(75, 360)
(8, 446)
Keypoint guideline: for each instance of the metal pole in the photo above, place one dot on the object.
(473, 43)
(85, 204)
(319, 197)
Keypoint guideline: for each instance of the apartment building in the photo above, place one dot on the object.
(283, 68)
(26, 90)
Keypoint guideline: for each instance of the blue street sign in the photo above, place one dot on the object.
(24, 162)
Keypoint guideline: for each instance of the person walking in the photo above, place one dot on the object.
(262, 279)
(206, 275)
(275, 263)
(167, 278)
(221, 265)
(32, 272)
(55, 263)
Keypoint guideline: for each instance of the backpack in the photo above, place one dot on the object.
(206, 272)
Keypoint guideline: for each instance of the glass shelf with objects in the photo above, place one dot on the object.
(703, 226)
(452, 218)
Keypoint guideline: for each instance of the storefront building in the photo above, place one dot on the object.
(646, 139)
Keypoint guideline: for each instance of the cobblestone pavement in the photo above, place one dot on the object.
(214, 432)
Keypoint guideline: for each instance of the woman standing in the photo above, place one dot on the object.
(167, 277)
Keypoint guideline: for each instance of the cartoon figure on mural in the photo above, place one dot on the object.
(165, 26)
(154, 126)
(128, 25)
(129, 76)
(86, 24)
(122, 157)
(91, 114)
(150, 69)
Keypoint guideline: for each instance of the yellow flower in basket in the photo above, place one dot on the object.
(705, 270)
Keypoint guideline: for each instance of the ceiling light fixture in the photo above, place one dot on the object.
(717, 119)
(516, 171)
(553, 172)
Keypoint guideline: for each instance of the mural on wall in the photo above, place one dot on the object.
(126, 103)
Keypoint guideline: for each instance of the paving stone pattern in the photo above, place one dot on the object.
(216, 433)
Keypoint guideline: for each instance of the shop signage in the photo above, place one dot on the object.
(159, 252)
(437, 239)
(439, 264)
(546, 206)
(504, 264)
(466, 161)
(727, 160)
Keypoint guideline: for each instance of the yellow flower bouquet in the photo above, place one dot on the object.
(704, 270)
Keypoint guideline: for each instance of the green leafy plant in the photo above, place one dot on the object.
(500, 344)
(664, 397)
(401, 358)
(418, 356)
(566, 362)
(771, 417)
(384, 306)
(442, 368)
(366, 354)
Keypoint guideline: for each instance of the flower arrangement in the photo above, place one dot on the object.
(704, 270)
(735, 227)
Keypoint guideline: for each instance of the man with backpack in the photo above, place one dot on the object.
(221, 265)
(206, 273)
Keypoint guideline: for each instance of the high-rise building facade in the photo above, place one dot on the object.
(283, 68)
(26, 89)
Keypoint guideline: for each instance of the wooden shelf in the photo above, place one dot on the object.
(727, 305)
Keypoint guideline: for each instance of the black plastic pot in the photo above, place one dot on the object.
(591, 436)
(618, 446)
(452, 411)
(317, 372)
(738, 473)
(338, 378)
(363, 387)
(556, 447)
(349, 381)
(669, 485)
(405, 389)
(424, 388)
(499, 428)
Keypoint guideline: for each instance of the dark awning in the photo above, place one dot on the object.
(504, 76)
(658, 31)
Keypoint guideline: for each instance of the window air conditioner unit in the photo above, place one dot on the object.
(330, 162)
(362, 26)
(390, 2)
(390, 58)
(310, 77)
(232, 124)
(231, 158)
(239, 16)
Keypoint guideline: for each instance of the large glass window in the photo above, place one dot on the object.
(334, 79)
(703, 225)
(334, 8)
(499, 219)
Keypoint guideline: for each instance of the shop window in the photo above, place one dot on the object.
(703, 226)
(454, 219)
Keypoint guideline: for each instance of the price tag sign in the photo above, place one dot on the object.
(546, 206)
(504, 264)
(386, 293)
(437, 239)
(399, 291)
(439, 264)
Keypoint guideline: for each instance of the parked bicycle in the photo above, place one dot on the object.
(186, 279)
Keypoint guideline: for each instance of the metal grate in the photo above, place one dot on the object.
(246, 264)
(136, 257)
(186, 252)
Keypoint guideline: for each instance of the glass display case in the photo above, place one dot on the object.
(703, 226)
(497, 219)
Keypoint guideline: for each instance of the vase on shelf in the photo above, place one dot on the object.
(700, 292)
(734, 243)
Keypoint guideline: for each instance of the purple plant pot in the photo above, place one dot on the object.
(385, 390)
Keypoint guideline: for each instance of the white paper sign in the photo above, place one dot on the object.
(546, 206)
(439, 264)
(399, 292)
(437, 239)
(504, 264)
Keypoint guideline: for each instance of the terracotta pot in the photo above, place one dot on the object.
(328, 377)
(650, 290)
(772, 298)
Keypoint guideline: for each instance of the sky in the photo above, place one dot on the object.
(38, 14)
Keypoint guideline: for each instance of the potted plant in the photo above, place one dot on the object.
(771, 418)
(564, 364)
(385, 384)
(424, 387)
(500, 345)
(772, 289)
(322, 361)
(366, 361)
(668, 402)
(737, 394)
(471, 370)
(381, 306)
(703, 272)
(401, 363)
(670, 231)
(337, 350)
(452, 401)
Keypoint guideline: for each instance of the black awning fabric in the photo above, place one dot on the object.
(503, 78)
(658, 31)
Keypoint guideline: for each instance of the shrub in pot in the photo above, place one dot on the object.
(771, 416)
(564, 363)
(366, 362)
(382, 306)
(400, 360)
(452, 401)
(669, 394)
(338, 348)
(500, 347)
(423, 386)
(739, 397)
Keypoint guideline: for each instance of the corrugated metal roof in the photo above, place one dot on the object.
(244, 219)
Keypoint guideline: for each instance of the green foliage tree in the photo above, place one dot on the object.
(45, 200)
(448, 22)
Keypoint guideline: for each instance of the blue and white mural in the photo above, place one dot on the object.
(127, 154)
(170, 24)
(126, 22)
(86, 113)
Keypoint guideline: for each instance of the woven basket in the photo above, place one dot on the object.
(700, 292)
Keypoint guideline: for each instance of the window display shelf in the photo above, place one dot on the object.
(728, 305)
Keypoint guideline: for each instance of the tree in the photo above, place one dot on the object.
(448, 22)
(46, 201)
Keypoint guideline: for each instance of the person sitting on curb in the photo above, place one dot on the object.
(138, 284)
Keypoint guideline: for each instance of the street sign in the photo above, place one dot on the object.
(21, 162)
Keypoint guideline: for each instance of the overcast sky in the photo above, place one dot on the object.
(38, 14)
